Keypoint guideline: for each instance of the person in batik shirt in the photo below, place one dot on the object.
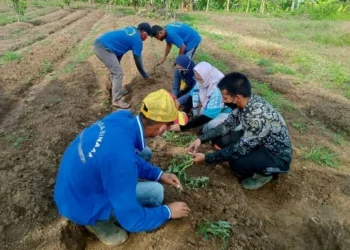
(257, 152)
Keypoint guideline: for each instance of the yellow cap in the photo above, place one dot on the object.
(160, 106)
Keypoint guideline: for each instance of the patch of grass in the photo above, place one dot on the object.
(16, 30)
(338, 138)
(335, 39)
(280, 69)
(201, 56)
(192, 19)
(301, 127)
(262, 62)
(322, 156)
(179, 139)
(275, 99)
(17, 138)
(314, 68)
(219, 229)
(10, 56)
(82, 51)
(47, 67)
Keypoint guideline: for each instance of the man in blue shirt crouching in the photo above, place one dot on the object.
(98, 180)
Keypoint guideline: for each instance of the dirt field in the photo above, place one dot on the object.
(43, 106)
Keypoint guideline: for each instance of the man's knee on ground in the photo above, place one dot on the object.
(158, 194)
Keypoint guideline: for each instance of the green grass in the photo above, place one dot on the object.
(193, 19)
(301, 127)
(338, 138)
(263, 62)
(305, 62)
(82, 51)
(219, 229)
(47, 67)
(323, 156)
(202, 56)
(334, 39)
(272, 68)
(275, 99)
(18, 138)
(7, 18)
(179, 139)
(280, 69)
(10, 56)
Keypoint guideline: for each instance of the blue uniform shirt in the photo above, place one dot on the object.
(180, 33)
(99, 172)
(121, 41)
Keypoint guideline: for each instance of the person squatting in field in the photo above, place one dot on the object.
(98, 179)
(259, 151)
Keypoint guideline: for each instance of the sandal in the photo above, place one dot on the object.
(121, 104)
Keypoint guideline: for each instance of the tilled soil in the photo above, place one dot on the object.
(306, 209)
(41, 32)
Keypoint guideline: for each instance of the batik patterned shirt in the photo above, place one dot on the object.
(263, 126)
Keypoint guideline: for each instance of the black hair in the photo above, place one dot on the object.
(236, 84)
(156, 29)
(147, 121)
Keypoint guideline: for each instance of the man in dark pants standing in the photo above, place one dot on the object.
(264, 149)
(111, 47)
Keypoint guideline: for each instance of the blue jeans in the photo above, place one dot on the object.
(150, 194)
(146, 154)
(177, 79)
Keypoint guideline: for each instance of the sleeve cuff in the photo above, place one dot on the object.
(160, 174)
(168, 211)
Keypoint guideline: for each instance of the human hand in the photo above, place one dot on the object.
(175, 127)
(198, 157)
(194, 146)
(179, 209)
(160, 62)
(171, 179)
(146, 76)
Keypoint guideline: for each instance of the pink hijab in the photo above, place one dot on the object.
(211, 77)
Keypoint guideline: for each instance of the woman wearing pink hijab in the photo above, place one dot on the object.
(211, 111)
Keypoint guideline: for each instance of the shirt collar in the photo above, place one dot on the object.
(249, 103)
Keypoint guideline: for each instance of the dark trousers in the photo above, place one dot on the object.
(259, 160)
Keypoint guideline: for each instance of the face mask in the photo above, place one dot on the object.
(144, 37)
(231, 105)
(183, 71)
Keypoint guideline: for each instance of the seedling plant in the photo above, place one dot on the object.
(179, 139)
(219, 229)
(179, 164)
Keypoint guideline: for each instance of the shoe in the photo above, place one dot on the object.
(121, 104)
(108, 233)
(256, 182)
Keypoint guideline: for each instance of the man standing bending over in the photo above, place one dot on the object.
(184, 37)
(110, 48)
